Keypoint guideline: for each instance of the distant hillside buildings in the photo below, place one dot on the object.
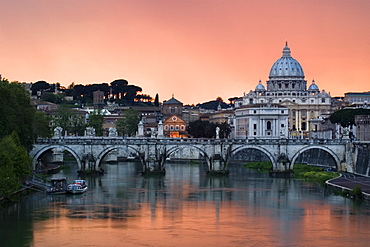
(284, 108)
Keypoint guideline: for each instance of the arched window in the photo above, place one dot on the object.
(268, 125)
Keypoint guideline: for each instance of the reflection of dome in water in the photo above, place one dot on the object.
(286, 66)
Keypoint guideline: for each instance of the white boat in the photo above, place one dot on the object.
(77, 187)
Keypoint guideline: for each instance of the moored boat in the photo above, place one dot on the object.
(58, 186)
(78, 186)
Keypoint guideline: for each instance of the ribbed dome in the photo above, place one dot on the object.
(313, 87)
(260, 87)
(286, 66)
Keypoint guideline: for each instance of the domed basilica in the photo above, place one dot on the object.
(285, 89)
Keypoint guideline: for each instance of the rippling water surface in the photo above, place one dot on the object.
(186, 208)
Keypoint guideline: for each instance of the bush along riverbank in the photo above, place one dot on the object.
(300, 171)
(313, 173)
(260, 166)
(355, 193)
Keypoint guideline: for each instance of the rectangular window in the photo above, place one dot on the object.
(255, 126)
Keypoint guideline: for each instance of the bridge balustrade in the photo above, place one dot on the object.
(174, 141)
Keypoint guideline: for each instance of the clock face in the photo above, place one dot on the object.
(174, 118)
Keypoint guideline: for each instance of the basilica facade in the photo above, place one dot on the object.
(286, 88)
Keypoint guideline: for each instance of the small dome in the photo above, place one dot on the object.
(286, 66)
(260, 87)
(313, 87)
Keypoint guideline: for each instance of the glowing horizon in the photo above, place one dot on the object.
(196, 50)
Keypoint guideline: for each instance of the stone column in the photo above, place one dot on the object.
(58, 155)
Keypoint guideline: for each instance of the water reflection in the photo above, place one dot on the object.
(185, 208)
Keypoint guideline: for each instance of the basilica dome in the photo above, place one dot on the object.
(286, 67)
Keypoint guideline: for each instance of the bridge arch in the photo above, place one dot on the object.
(261, 149)
(176, 148)
(41, 151)
(108, 149)
(327, 150)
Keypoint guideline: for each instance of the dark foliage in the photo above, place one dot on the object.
(213, 104)
(346, 117)
(16, 112)
(39, 86)
(205, 129)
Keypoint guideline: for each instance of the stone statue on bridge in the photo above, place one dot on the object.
(58, 132)
(140, 129)
(112, 132)
(217, 132)
(90, 131)
(153, 133)
(160, 129)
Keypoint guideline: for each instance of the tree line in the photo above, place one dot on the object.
(118, 91)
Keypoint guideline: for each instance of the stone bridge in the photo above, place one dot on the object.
(89, 152)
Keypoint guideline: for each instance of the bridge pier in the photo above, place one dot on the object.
(58, 156)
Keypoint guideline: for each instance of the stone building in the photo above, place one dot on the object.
(287, 87)
(352, 97)
(261, 121)
(362, 123)
(172, 107)
(98, 99)
(174, 126)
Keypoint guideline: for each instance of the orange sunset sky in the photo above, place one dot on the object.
(195, 49)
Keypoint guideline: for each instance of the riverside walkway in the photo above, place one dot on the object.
(347, 181)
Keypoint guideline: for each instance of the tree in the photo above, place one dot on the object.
(39, 86)
(346, 117)
(156, 100)
(15, 164)
(128, 124)
(16, 112)
(202, 129)
(131, 92)
(213, 104)
(41, 125)
(225, 130)
(96, 121)
(205, 129)
(119, 87)
(78, 92)
(53, 98)
(70, 120)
